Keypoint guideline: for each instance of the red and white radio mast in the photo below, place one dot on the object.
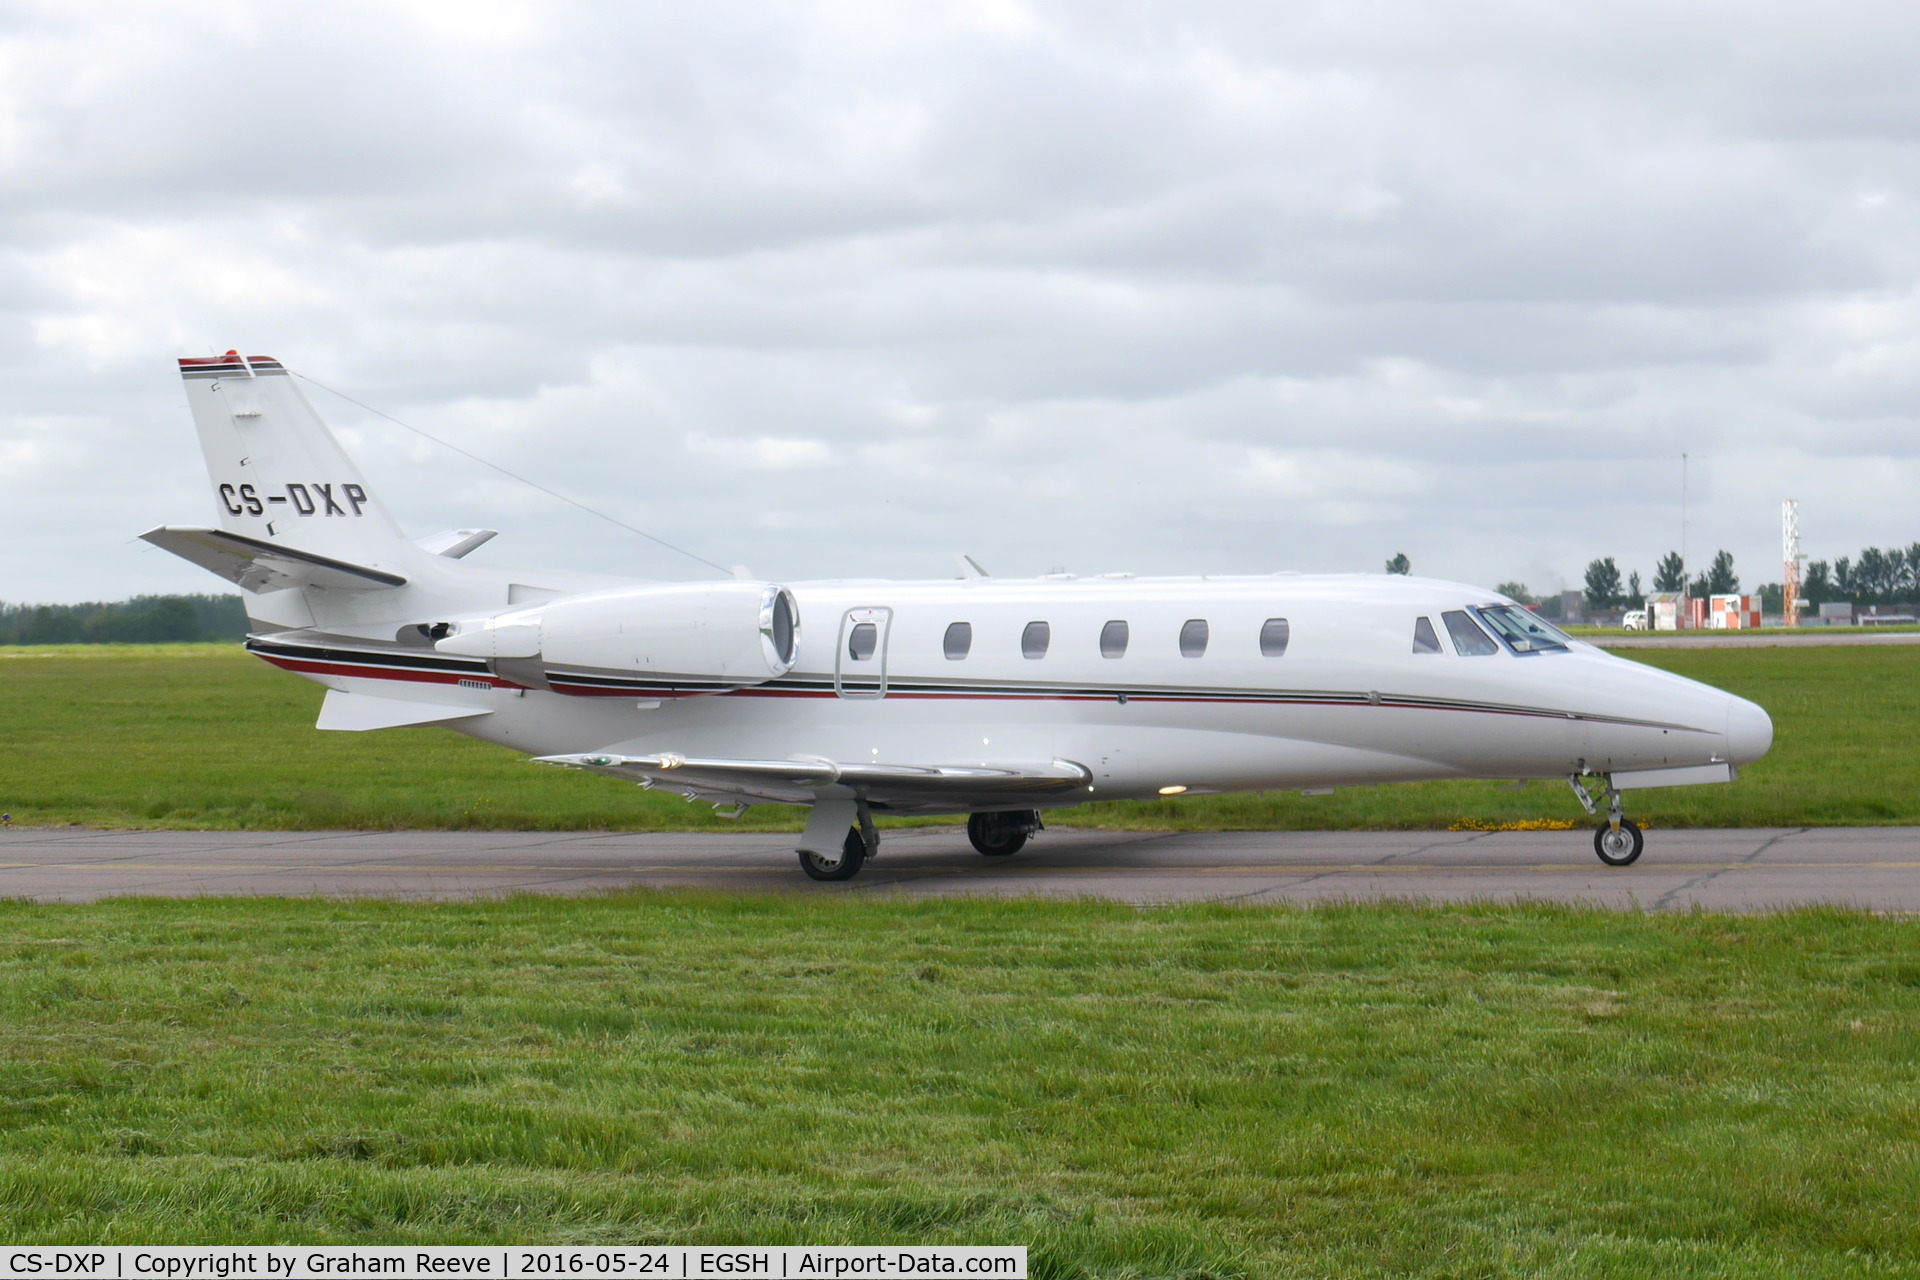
(1790, 555)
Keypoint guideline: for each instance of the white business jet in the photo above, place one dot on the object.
(981, 696)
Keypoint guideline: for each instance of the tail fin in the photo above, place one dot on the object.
(278, 475)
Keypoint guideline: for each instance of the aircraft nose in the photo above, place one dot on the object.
(1749, 731)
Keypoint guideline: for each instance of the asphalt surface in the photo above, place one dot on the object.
(1747, 870)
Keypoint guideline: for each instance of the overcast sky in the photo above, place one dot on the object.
(839, 289)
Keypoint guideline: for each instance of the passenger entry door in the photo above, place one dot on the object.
(860, 657)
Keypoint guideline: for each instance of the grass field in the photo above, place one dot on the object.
(1196, 1091)
(205, 736)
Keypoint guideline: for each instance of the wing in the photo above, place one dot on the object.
(265, 566)
(936, 788)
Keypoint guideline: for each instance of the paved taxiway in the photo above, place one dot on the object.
(1872, 867)
(1776, 640)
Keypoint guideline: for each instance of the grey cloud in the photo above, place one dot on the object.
(1165, 287)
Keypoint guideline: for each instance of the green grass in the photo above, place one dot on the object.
(1197, 1091)
(204, 736)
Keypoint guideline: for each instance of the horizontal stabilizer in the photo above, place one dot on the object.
(359, 712)
(802, 781)
(256, 565)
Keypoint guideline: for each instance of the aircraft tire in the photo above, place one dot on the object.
(853, 856)
(990, 838)
(1618, 850)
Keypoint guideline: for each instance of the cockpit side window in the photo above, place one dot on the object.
(1424, 640)
(1523, 630)
(1469, 641)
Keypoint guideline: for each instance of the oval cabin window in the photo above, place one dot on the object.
(1274, 634)
(862, 641)
(958, 641)
(1035, 639)
(1113, 639)
(1193, 638)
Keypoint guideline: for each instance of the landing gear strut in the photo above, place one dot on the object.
(1618, 841)
(833, 847)
(997, 835)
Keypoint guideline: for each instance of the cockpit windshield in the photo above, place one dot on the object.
(1523, 630)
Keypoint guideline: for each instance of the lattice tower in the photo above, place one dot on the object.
(1791, 557)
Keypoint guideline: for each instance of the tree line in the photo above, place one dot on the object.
(1876, 577)
(1879, 577)
(1605, 589)
(141, 620)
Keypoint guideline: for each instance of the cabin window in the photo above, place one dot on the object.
(1469, 641)
(862, 641)
(1523, 630)
(1035, 639)
(1274, 634)
(958, 641)
(1424, 640)
(1113, 639)
(1193, 638)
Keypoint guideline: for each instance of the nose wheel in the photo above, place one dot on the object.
(1618, 846)
(1618, 841)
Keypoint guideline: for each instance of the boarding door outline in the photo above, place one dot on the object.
(860, 656)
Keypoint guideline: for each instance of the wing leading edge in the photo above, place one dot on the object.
(893, 786)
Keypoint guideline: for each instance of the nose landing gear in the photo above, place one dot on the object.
(1618, 841)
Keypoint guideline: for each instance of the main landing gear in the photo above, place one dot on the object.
(1618, 841)
(840, 839)
(999, 835)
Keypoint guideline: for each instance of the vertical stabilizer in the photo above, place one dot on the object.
(278, 474)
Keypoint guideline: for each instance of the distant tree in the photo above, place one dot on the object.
(1400, 564)
(1603, 584)
(141, 620)
(1721, 579)
(1516, 592)
(1636, 598)
(1817, 587)
(1773, 598)
(1874, 578)
(164, 621)
(1671, 573)
(48, 625)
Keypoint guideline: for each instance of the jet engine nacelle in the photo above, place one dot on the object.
(687, 637)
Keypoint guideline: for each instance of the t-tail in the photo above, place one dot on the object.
(304, 534)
